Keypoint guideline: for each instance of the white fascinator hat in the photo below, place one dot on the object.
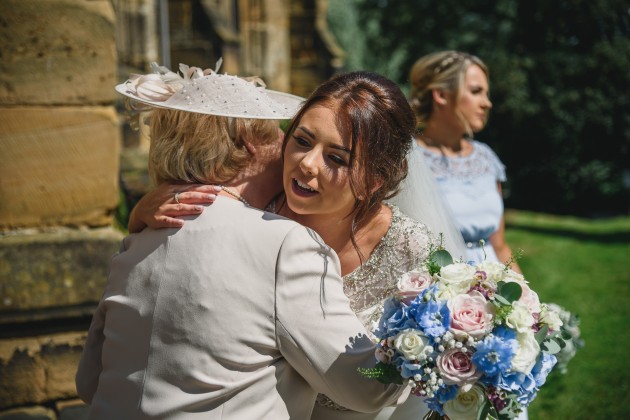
(208, 92)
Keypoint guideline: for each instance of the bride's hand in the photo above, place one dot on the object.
(159, 208)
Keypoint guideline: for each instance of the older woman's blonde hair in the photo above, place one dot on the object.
(443, 70)
(198, 148)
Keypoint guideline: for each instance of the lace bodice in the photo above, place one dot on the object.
(403, 248)
(481, 162)
(469, 187)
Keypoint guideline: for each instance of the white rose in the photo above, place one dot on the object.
(413, 344)
(455, 279)
(551, 318)
(520, 319)
(511, 275)
(528, 351)
(494, 271)
(466, 405)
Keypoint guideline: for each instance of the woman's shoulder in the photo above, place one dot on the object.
(486, 154)
(408, 235)
(483, 148)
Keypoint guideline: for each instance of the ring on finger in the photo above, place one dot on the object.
(176, 198)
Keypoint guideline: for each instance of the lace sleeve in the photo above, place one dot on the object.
(493, 159)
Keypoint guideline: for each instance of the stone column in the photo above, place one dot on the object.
(59, 154)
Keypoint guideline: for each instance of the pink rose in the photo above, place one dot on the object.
(471, 315)
(412, 284)
(457, 368)
(530, 299)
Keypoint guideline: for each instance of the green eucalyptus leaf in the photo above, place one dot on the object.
(561, 342)
(510, 291)
(550, 346)
(484, 410)
(501, 300)
(442, 257)
(541, 335)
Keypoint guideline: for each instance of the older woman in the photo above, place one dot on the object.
(240, 313)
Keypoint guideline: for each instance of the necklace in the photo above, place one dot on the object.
(432, 143)
(234, 194)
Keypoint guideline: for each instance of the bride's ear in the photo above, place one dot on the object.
(439, 96)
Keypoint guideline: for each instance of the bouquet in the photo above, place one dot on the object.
(473, 340)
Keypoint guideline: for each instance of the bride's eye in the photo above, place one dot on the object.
(338, 160)
(301, 141)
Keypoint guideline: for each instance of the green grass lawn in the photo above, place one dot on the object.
(583, 266)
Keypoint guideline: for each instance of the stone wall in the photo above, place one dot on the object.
(61, 153)
(59, 164)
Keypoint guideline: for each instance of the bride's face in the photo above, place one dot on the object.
(316, 167)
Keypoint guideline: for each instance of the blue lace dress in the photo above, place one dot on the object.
(469, 186)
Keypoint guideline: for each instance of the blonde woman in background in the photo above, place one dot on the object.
(450, 97)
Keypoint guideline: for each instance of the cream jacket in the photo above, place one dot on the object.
(240, 314)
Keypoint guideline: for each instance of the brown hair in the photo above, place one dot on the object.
(192, 147)
(443, 70)
(373, 112)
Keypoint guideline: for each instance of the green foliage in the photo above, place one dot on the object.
(438, 259)
(582, 265)
(559, 79)
(384, 373)
(509, 292)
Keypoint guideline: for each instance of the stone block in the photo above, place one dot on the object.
(39, 369)
(58, 166)
(28, 413)
(57, 52)
(60, 269)
(72, 410)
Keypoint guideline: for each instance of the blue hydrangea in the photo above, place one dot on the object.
(521, 384)
(434, 318)
(494, 355)
(395, 318)
(408, 368)
(504, 333)
(446, 393)
(543, 366)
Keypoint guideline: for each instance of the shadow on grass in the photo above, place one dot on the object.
(601, 237)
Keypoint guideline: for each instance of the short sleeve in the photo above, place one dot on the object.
(497, 166)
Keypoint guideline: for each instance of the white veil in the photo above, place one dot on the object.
(420, 199)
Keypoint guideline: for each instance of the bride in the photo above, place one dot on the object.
(345, 153)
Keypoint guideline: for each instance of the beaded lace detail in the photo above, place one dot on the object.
(403, 248)
(480, 162)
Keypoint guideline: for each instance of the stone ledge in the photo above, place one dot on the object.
(57, 52)
(58, 166)
(60, 268)
(39, 369)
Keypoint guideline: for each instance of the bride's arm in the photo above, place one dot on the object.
(158, 208)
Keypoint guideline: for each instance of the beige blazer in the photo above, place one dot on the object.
(240, 314)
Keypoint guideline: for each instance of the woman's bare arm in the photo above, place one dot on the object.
(159, 209)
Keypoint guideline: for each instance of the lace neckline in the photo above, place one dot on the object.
(372, 259)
